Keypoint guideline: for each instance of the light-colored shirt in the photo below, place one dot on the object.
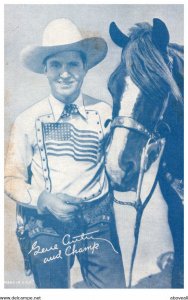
(59, 155)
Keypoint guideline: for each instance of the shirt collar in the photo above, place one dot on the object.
(58, 106)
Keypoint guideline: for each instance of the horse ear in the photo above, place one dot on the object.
(160, 35)
(118, 37)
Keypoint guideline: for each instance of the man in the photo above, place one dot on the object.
(55, 168)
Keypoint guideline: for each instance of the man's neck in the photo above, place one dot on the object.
(67, 100)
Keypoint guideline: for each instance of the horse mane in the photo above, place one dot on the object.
(148, 68)
(178, 49)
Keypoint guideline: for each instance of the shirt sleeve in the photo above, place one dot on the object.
(18, 160)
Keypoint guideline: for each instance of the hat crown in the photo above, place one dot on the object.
(61, 32)
(63, 35)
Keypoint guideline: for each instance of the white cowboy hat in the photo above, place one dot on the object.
(63, 35)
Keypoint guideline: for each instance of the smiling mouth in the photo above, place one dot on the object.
(65, 84)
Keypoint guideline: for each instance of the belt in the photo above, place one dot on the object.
(91, 204)
(90, 213)
(97, 211)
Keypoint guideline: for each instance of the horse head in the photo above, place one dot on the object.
(141, 86)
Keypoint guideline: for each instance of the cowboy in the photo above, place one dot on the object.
(55, 167)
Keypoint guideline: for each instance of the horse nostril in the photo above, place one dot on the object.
(129, 168)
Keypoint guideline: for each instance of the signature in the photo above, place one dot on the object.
(71, 242)
(71, 245)
(68, 240)
(72, 249)
(37, 250)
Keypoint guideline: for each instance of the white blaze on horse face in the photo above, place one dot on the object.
(114, 155)
(119, 140)
(129, 98)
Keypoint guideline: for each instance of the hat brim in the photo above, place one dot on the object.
(95, 50)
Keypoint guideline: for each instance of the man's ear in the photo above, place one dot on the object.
(45, 69)
(85, 66)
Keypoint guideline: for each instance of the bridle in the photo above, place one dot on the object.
(154, 140)
(156, 137)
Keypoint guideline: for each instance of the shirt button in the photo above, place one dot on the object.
(100, 131)
(121, 120)
(98, 123)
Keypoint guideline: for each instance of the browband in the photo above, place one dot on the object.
(128, 122)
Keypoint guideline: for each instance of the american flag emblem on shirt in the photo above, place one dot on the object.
(64, 139)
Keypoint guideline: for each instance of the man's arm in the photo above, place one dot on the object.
(17, 187)
(19, 157)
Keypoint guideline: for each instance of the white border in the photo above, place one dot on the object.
(146, 294)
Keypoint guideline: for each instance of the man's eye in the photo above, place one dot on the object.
(55, 65)
(73, 64)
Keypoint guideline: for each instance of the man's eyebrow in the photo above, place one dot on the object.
(54, 60)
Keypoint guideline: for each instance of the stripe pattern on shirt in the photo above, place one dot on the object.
(64, 139)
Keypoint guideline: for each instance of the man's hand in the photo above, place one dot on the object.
(63, 207)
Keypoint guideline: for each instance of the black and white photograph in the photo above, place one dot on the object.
(94, 147)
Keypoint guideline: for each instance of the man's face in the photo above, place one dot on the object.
(65, 72)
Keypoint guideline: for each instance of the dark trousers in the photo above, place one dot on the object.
(91, 237)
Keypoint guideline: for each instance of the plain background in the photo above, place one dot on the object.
(24, 24)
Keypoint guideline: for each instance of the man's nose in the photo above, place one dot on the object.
(64, 73)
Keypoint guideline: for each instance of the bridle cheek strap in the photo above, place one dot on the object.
(156, 146)
(151, 145)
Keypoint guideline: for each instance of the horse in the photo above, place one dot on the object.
(147, 129)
